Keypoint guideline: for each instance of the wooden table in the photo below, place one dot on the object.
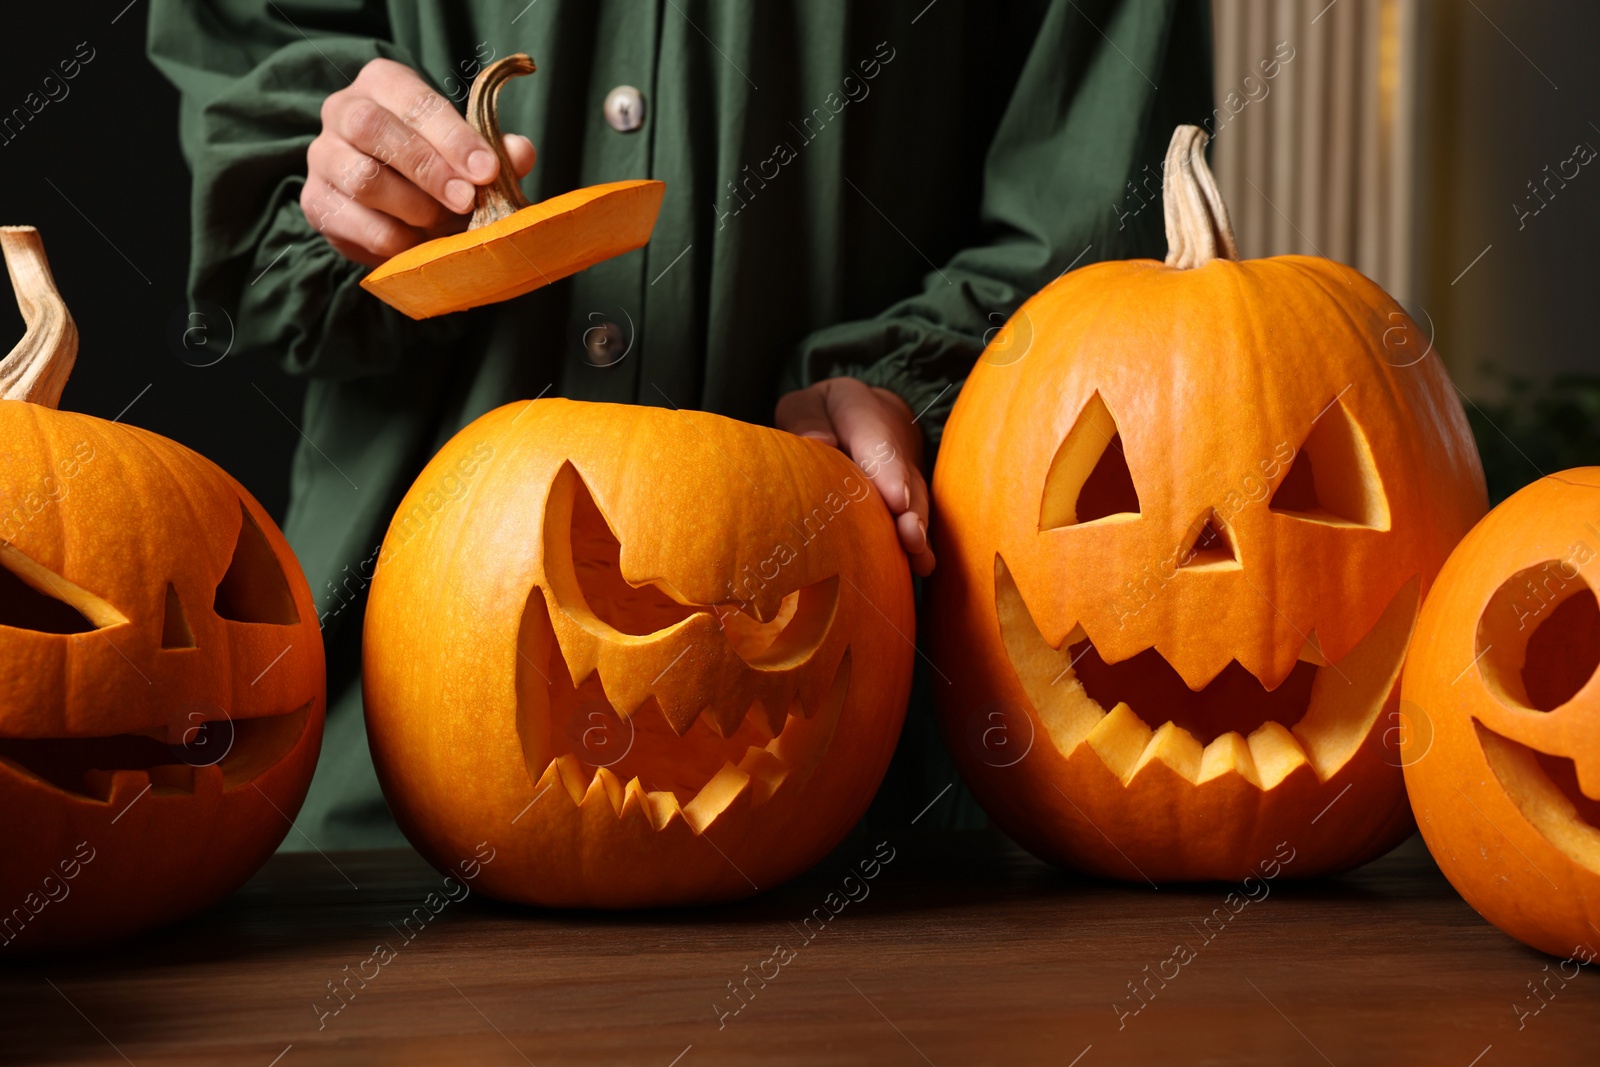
(963, 950)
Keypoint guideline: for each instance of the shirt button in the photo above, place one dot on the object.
(624, 109)
(604, 343)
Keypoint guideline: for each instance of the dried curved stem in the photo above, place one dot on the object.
(36, 369)
(503, 196)
(1198, 227)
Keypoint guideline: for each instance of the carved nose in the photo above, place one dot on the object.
(1209, 545)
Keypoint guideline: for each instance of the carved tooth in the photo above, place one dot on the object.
(1230, 752)
(663, 808)
(725, 715)
(209, 780)
(1346, 701)
(813, 687)
(625, 704)
(715, 796)
(1311, 652)
(570, 773)
(172, 778)
(774, 716)
(1119, 740)
(1174, 746)
(605, 784)
(1276, 752)
(635, 802)
(116, 787)
(680, 713)
(766, 772)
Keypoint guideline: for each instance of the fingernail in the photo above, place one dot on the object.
(922, 528)
(481, 164)
(905, 495)
(459, 194)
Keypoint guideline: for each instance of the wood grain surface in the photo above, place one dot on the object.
(961, 949)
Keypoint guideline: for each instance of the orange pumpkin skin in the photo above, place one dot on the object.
(1504, 750)
(571, 596)
(113, 513)
(1215, 378)
(511, 247)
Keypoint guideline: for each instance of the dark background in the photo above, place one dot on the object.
(101, 176)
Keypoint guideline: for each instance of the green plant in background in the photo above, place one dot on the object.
(1536, 427)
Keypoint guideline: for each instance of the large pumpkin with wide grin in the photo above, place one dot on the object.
(1503, 763)
(649, 656)
(1186, 513)
(161, 673)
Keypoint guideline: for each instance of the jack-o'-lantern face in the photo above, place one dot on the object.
(1507, 787)
(1538, 646)
(161, 675)
(1187, 532)
(749, 706)
(631, 655)
(1194, 642)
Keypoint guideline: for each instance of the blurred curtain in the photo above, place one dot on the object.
(1315, 130)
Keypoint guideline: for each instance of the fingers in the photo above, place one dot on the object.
(363, 179)
(402, 91)
(875, 428)
(868, 435)
(395, 164)
(521, 152)
(358, 232)
(912, 526)
(804, 413)
(392, 115)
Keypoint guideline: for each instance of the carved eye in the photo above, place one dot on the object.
(1089, 480)
(175, 631)
(792, 634)
(254, 589)
(33, 597)
(1333, 479)
(799, 626)
(1539, 638)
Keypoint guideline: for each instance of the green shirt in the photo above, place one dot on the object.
(851, 188)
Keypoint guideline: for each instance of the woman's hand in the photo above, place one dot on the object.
(395, 165)
(875, 428)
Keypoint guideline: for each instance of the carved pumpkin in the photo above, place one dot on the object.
(161, 674)
(1186, 513)
(1503, 750)
(651, 656)
(511, 247)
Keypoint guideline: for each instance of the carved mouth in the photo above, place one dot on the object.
(577, 737)
(1545, 789)
(1318, 715)
(190, 757)
(681, 709)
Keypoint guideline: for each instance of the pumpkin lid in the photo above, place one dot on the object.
(512, 247)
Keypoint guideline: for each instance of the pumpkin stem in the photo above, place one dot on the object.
(1198, 227)
(36, 369)
(503, 196)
